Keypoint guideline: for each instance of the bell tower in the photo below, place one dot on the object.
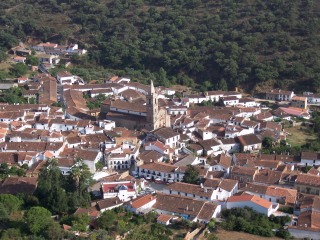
(152, 107)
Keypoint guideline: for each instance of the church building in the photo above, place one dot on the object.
(137, 114)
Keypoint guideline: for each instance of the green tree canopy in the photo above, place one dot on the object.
(32, 60)
(106, 220)
(191, 175)
(18, 69)
(38, 219)
(267, 142)
(13, 96)
(50, 190)
(11, 203)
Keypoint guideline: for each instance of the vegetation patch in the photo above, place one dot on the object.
(250, 221)
(300, 135)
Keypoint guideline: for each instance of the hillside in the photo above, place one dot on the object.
(216, 44)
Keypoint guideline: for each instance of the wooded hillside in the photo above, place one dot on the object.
(211, 44)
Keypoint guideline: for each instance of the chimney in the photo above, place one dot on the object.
(187, 208)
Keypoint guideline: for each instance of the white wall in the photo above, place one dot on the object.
(249, 204)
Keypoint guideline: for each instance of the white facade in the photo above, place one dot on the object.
(191, 195)
(124, 190)
(255, 207)
(143, 209)
(309, 162)
(92, 163)
(175, 176)
(107, 125)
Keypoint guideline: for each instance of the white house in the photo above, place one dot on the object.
(124, 190)
(310, 159)
(256, 203)
(248, 102)
(141, 205)
(196, 98)
(157, 146)
(189, 190)
(274, 194)
(161, 171)
(221, 163)
(229, 101)
(222, 189)
(19, 59)
(168, 136)
(175, 110)
(118, 161)
(107, 124)
(230, 145)
(68, 78)
(186, 207)
(250, 143)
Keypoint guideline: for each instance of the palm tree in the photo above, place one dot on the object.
(81, 176)
(76, 172)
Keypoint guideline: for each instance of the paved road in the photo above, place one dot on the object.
(156, 186)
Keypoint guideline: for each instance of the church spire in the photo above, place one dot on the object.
(152, 88)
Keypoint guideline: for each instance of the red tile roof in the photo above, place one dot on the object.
(114, 187)
(250, 198)
(141, 201)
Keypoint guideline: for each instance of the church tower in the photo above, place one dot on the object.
(152, 107)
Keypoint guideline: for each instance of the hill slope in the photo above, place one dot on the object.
(217, 44)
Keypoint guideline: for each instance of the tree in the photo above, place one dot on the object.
(11, 233)
(267, 142)
(80, 179)
(13, 96)
(38, 219)
(211, 225)
(12, 203)
(3, 55)
(191, 175)
(99, 165)
(50, 190)
(101, 235)
(4, 216)
(223, 85)
(54, 231)
(32, 60)
(18, 69)
(107, 219)
(80, 222)
(32, 100)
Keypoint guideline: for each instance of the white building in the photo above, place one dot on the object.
(310, 159)
(161, 171)
(124, 190)
(67, 78)
(274, 194)
(256, 203)
(141, 205)
(168, 136)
